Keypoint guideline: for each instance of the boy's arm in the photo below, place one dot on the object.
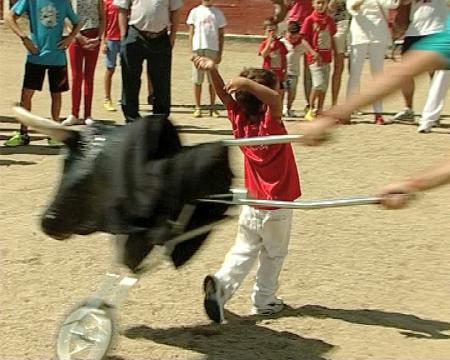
(123, 22)
(191, 36)
(265, 49)
(11, 20)
(268, 96)
(204, 63)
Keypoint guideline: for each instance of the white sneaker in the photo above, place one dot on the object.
(285, 111)
(292, 113)
(213, 301)
(89, 121)
(405, 115)
(269, 309)
(72, 120)
(424, 128)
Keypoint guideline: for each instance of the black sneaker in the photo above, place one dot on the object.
(213, 301)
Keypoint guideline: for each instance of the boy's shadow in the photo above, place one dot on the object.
(240, 338)
(410, 325)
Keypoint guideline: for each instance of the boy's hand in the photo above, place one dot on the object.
(65, 42)
(30, 46)
(105, 49)
(235, 84)
(203, 63)
(397, 195)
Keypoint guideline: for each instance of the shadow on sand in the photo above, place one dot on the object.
(240, 338)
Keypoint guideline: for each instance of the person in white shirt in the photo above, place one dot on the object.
(369, 36)
(427, 17)
(147, 30)
(206, 34)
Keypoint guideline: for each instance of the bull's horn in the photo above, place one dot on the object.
(48, 127)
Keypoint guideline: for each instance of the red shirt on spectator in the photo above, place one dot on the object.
(270, 170)
(112, 31)
(299, 11)
(276, 59)
(318, 30)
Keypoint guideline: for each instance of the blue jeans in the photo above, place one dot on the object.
(135, 48)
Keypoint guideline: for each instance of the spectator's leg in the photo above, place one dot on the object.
(376, 57)
(159, 55)
(90, 62)
(436, 98)
(76, 65)
(357, 56)
(131, 57)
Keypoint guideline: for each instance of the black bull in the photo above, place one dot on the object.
(136, 180)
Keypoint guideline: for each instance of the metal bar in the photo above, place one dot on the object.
(262, 140)
(301, 205)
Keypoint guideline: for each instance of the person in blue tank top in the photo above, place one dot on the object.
(46, 53)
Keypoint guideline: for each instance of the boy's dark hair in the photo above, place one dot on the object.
(269, 22)
(293, 27)
(251, 104)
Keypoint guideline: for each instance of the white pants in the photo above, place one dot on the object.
(436, 97)
(358, 54)
(262, 234)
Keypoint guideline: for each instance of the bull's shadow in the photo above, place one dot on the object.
(239, 339)
(9, 162)
(408, 324)
(30, 149)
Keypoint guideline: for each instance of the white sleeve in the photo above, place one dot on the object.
(122, 4)
(175, 4)
(191, 17)
(349, 5)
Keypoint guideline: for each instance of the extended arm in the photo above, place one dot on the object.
(174, 23)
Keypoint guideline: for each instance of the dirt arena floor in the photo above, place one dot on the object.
(360, 282)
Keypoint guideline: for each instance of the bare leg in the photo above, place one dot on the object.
(408, 92)
(25, 102)
(197, 94)
(337, 76)
(212, 96)
(56, 105)
(107, 82)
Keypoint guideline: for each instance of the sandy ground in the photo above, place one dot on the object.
(360, 283)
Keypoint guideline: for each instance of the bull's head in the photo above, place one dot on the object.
(133, 180)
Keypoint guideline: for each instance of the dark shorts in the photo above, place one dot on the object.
(35, 74)
(410, 41)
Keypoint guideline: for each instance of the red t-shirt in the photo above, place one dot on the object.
(112, 31)
(299, 11)
(276, 59)
(318, 30)
(270, 170)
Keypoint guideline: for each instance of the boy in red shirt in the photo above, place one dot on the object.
(274, 53)
(318, 30)
(254, 109)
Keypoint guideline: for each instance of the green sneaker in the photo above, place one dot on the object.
(17, 139)
(54, 143)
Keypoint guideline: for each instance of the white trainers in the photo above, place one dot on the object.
(405, 115)
(72, 120)
(89, 121)
(213, 300)
(269, 309)
(424, 128)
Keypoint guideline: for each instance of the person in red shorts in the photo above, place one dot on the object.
(274, 53)
(254, 109)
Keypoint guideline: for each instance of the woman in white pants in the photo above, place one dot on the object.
(370, 37)
(435, 101)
